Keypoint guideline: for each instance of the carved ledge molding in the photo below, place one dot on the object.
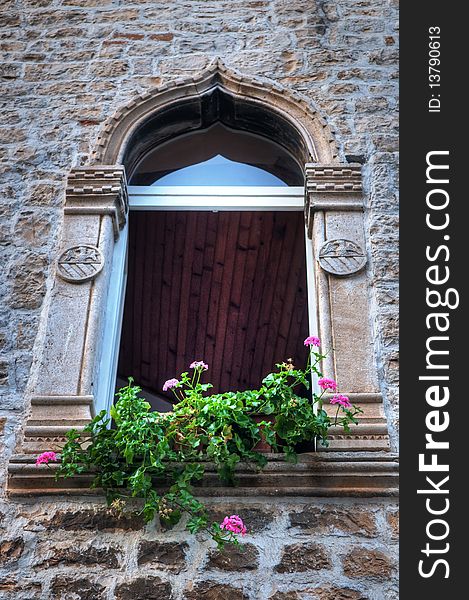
(335, 223)
(361, 474)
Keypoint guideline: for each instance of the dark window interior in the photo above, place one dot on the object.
(225, 287)
(238, 146)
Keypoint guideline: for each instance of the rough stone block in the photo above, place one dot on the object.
(64, 587)
(26, 330)
(335, 593)
(162, 37)
(6, 213)
(9, 136)
(19, 589)
(11, 550)
(363, 562)
(144, 588)
(256, 518)
(234, 558)
(170, 556)
(3, 372)
(93, 520)
(32, 228)
(210, 590)
(28, 275)
(326, 593)
(336, 520)
(286, 596)
(86, 3)
(70, 555)
(109, 68)
(298, 558)
(392, 518)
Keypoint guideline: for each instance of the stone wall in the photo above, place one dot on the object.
(324, 550)
(68, 65)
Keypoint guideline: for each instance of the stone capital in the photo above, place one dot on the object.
(332, 188)
(98, 190)
(334, 179)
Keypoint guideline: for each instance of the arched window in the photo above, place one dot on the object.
(181, 128)
(217, 262)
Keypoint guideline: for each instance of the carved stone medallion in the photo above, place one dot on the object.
(341, 257)
(80, 263)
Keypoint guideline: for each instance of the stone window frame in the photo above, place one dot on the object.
(67, 355)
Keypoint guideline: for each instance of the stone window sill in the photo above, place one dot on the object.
(355, 474)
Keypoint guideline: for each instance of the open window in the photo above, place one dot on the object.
(217, 263)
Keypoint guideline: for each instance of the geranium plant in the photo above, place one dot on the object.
(158, 456)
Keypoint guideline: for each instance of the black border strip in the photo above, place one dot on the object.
(433, 124)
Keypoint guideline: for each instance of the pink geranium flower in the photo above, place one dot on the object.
(234, 524)
(45, 458)
(198, 364)
(327, 384)
(169, 384)
(344, 401)
(312, 341)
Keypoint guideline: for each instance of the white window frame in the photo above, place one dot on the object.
(200, 198)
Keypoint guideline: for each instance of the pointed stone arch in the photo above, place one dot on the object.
(63, 390)
(217, 93)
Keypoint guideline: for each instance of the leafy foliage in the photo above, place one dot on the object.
(138, 453)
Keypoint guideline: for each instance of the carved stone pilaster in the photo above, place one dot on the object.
(335, 222)
(95, 210)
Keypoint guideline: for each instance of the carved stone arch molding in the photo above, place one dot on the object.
(62, 385)
(217, 93)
